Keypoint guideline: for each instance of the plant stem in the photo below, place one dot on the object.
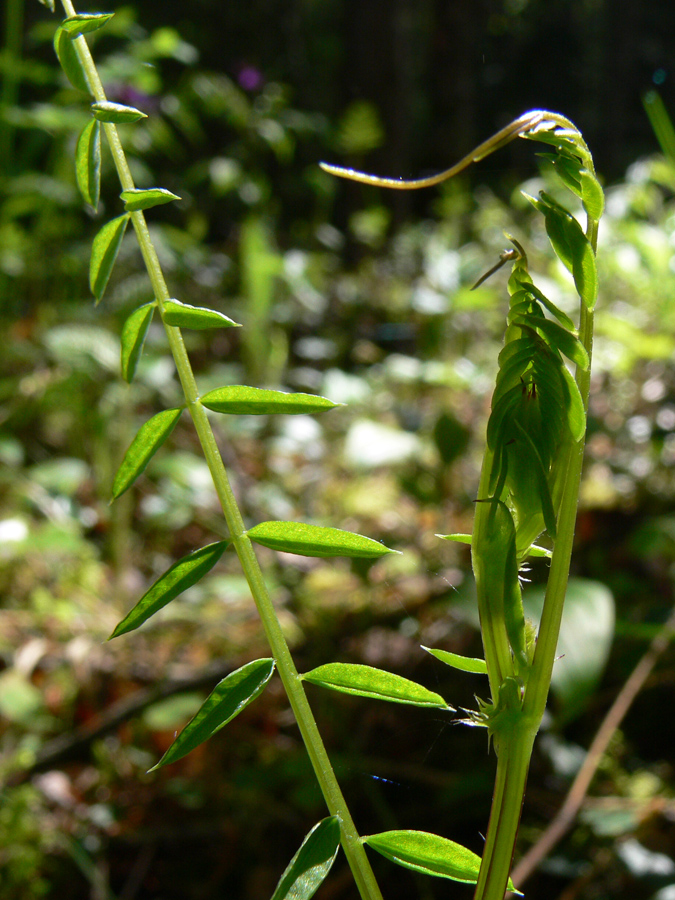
(353, 847)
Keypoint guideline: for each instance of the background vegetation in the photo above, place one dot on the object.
(364, 297)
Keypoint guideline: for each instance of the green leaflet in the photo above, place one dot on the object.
(592, 195)
(147, 442)
(312, 863)
(84, 23)
(134, 332)
(561, 316)
(182, 575)
(116, 113)
(464, 663)
(227, 700)
(182, 315)
(137, 199)
(458, 538)
(316, 540)
(573, 248)
(104, 253)
(88, 162)
(563, 340)
(429, 854)
(243, 400)
(69, 60)
(365, 681)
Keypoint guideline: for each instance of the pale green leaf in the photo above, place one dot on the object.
(104, 253)
(182, 315)
(227, 700)
(464, 663)
(315, 540)
(365, 681)
(429, 854)
(147, 442)
(310, 865)
(116, 113)
(136, 199)
(134, 332)
(182, 575)
(458, 538)
(88, 162)
(244, 400)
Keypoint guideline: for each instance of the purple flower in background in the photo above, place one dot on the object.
(250, 78)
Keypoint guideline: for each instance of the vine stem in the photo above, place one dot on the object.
(337, 806)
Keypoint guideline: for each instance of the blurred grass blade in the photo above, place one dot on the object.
(137, 199)
(661, 123)
(134, 332)
(365, 681)
(251, 401)
(147, 442)
(316, 540)
(88, 162)
(429, 854)
(182, 575)
(104, 253)
(227, 700)
(310, 865)
(464, 663)
(182, 315)
(116, 113)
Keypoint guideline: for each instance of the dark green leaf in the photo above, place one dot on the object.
(104, 253)
(365, 681)
(182, 575)
(464, 663)
(136, 199)
(310, 865)
(244, 400)
(69, 60)
(83, 23)
(116, 113)
(88, 162)
(182, 315)
(227, 700)
(315, 540)
(147, 442)
(428, 853)
(133, 337)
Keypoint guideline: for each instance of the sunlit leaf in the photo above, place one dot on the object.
(134, 332)
(182, 575)
(365, 681)
(182, 315)
(310, 865)
(560, 338)
(457, 538)
(84, 23)
(116, 113)
(592, 195)
(244, 400)
(464, 663)
(227, 700)
(69, 60)
(147, 442)
(104, 253)
(136, 199)
(315, 540)
(88, 162)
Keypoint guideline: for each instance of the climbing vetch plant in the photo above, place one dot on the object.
(531, 471)
(529, 484)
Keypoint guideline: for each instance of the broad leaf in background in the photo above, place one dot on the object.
(311, 863)
(227, 700)
(365, 681)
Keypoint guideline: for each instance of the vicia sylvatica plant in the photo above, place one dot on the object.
(528, 487)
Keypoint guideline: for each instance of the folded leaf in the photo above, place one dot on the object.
(147, 442)
(365, 681)
(116, 113)
(310, 865)
(88, 162)
(428, 853)
(182, 315)
(182, 575)
(244, 400)
(464, 663)
(134, 332)
(136, 199)
(315, 540)
(104, 253)
(227, 700)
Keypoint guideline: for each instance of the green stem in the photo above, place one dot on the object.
(352, 844)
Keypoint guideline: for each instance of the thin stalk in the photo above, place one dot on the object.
(351, 842)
